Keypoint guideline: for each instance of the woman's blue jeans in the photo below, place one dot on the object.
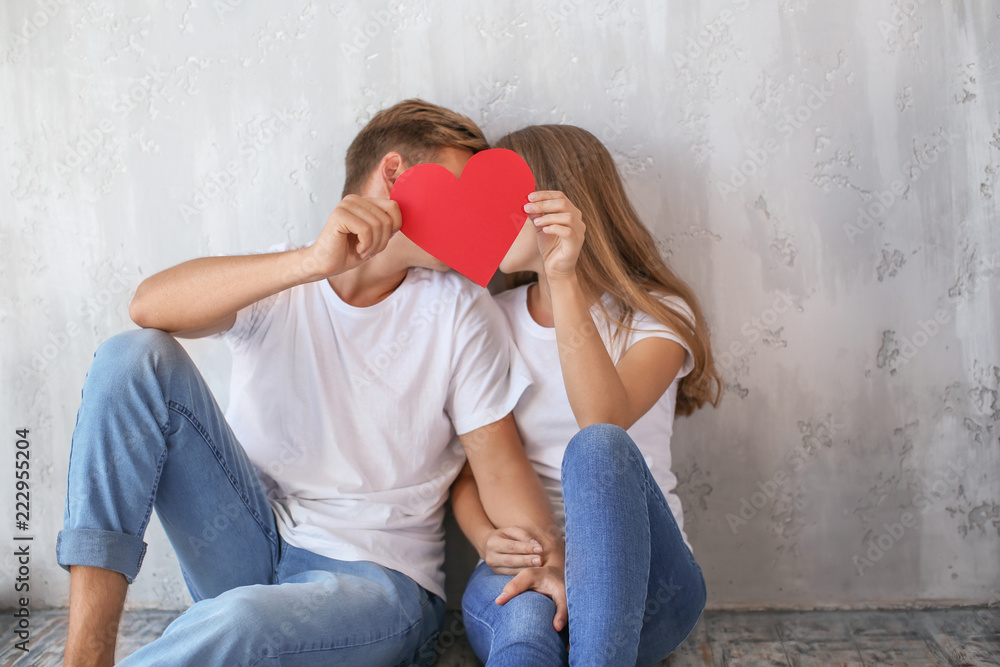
(149, 435)
(634, 589)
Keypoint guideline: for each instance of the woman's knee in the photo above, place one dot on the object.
(526, 619)
(603, 447)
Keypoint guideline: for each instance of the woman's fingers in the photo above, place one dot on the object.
(517, 533)
(564, 219)
(514, 563)
(561, 618)
(549, 206)
(513, 541)
(547, 582)
(542, 195)
(522, 582)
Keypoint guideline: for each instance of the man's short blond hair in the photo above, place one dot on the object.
(416, 130)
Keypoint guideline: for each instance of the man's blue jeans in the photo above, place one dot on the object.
(149, 434)
(634, 589)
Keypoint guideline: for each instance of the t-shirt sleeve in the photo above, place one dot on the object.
(488, 373)
(648, 327)
(248, 320)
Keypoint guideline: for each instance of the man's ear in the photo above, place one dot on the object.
(389, 168)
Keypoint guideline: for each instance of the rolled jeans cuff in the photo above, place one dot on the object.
(101, 548)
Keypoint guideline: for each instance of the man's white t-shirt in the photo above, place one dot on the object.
(350, 413)
(543, 413)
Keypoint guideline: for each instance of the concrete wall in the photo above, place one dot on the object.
(825, 175)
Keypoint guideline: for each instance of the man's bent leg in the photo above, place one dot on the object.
(362, 614)
(149, 433)
(96, 598)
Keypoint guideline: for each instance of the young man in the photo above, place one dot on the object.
(307, 521)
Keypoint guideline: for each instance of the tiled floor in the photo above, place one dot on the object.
(958, 637)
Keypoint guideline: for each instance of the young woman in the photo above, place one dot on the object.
(617, 344)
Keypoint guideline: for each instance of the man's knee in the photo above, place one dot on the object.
(127, 351)
(242, 626)
(138, 343)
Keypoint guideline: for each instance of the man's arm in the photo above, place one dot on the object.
(202, 296)
(512, 495)
(505, 550)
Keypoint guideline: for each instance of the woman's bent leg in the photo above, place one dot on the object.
(634, 590)
(518, 633)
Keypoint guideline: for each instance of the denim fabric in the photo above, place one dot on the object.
(634, 589)
(150, 435)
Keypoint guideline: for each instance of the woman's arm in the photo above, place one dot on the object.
(598, 391)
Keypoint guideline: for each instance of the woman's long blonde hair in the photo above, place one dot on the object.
(619, 255)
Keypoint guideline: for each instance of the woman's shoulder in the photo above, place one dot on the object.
(643, 319)
(513, 298)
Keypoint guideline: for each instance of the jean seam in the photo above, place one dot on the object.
(151, 500)
(661, 501)
(481, 621)
(188, 414)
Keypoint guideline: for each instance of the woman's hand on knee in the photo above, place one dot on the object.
(549, 580)
(510, 550)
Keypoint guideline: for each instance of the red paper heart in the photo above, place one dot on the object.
(468, 224)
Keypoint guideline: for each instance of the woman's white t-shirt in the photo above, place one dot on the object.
(545, 418)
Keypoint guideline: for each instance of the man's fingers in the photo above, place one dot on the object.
(381, 225)
(378, 223)
(392, 209)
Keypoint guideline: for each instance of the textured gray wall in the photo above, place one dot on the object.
(823, 173)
